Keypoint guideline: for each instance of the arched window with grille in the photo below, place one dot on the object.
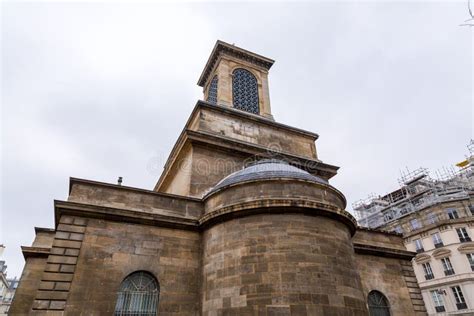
(378, 304)
(212, 91)
(245, 91)
(138, 295)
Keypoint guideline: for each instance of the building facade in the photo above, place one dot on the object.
(8, 296)
(3, 284)
(242, 221)
(7, 286)
(437, 222)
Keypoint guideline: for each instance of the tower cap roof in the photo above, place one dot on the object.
(233, 50)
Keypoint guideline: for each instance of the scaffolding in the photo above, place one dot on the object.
(418, 190)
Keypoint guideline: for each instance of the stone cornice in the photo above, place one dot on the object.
(383, 251)
(121, 215)
(466, 248)
(44, 230)
(452, 279)
(422, 258)
(35, 252)
(441, 253)
(380, 231)
(232, 50)
(311, 165)
(276, 206)
(467, 219)
(330, 170)
(421, 210)
(254, 117)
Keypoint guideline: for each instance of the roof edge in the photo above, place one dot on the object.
(222, 46)
(73, 181)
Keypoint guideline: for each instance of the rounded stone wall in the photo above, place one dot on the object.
(277, 241)
(280, 264)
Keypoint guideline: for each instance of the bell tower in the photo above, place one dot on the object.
(235, 77)
(234, 126)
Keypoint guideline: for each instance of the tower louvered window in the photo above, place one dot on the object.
(212, 92)
(378, 304)
(138, 295)
(245, 91)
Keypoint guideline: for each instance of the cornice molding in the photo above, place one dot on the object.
(462, 220)
(466, 248)
(225, 48)
(383, 251)
(441, 253)
(278, 206)
(121, 215)
(328, 171)
(35, 252)
(422, 258)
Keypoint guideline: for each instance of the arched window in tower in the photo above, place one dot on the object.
(245, 91)
(378, 304)
(212, 92)
(138, 295)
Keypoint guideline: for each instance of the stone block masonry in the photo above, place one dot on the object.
(61, 263)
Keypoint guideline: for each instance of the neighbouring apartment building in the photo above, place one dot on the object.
(436, 218)
(242, 221)
(7, 287)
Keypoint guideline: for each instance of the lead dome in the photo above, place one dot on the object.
(266, 169)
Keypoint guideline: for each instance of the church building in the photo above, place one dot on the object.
(242, 221)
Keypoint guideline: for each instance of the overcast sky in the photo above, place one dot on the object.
(101, 91)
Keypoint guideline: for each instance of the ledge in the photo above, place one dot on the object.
(466, 247)
(383, 252)
(422, 258)
(44, 230)
(438, 224)
(446, 280)
(35, 252)
(278, 206)
(377, 230)
(254, 117)
(183, 136)
(121, 215)
(257, 150)
(233, 51)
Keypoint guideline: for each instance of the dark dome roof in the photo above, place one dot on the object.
(266, 169)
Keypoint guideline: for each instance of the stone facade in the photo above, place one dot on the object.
(434, 220)
(243, 221)
(280, 264)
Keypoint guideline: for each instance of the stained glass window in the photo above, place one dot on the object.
(245, 91)
(138, 295)
(212, 92)
(378, 304)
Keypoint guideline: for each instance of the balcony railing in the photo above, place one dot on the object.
(461, 305)
(465, 239)
(420, 250)
(429, 276)
(449, 272)
(440, 309)
(439, 245)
